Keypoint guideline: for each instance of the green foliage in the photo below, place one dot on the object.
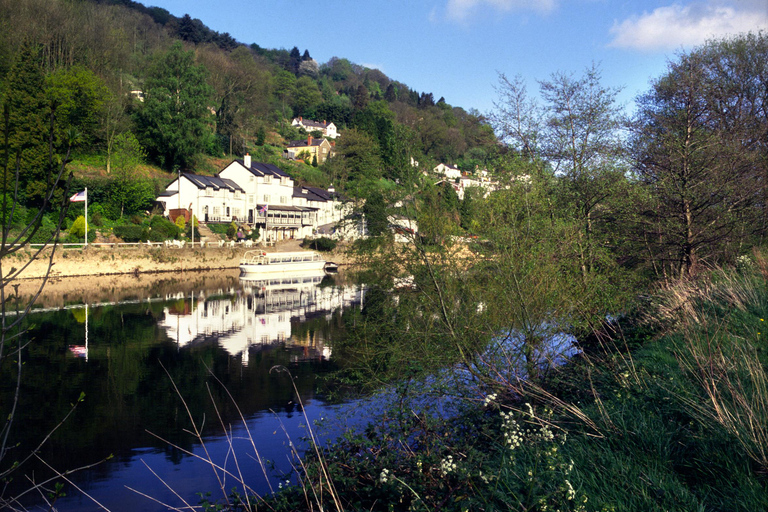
(161, 229)
(231, 230)
(130, 233)
(127, 192)
(77, 229)
(171, 122)
(26, 112)
(320, 244)
(180, 223)
(375, 211)
(78, 96)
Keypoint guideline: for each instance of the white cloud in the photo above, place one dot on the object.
(460, 10)
(679, 25)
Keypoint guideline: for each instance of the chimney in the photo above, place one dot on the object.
(247, 160)
(300, 119)
(309, 140)
(331, 189)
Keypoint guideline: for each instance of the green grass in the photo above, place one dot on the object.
(677, 424)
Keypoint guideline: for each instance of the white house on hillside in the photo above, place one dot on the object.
(449, 171)
(209, 198)
(328, 129)
(254, 194)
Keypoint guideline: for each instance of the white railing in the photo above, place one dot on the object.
(171, 244)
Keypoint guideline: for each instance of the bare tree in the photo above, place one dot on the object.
(17, 231)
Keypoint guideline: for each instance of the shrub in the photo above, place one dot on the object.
(77, 230)
(181, 223)
(321, 244)
(130, 233)
(232, 230)
(161, 229)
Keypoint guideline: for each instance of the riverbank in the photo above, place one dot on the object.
(136, 260)
(667, 412)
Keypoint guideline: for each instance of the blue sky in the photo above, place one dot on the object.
(456, 48)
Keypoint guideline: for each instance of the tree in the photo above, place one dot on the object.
(578, 132)
(26, 108)
(356, 163)
(172, 122)
(22, 134)
(306, 96)
(79, 96)
(698, 168)
(285, 88)
(127, 191)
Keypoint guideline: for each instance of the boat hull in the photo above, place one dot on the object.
(276, 268)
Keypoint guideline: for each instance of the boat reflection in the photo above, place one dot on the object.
(261, 314)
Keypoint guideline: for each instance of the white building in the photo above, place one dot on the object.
(449, 171)
(328, 129)
(255, 194)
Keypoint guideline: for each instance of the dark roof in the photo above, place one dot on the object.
(168, 193)
(327, 194)
(308, 193)
(304, 143)
(262, 169)
(203, 182)
(308, 122)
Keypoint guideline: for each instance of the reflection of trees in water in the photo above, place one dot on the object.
(127, 390)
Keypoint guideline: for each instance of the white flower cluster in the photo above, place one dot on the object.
(489, 399)
(384, 476)
(513, 436)
(447, 465)
(570, 492)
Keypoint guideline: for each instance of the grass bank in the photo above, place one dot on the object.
(668, 410)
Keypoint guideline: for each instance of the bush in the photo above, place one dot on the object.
(130, 233)
(181, 223)
(161, 229)
(321, 244)
(232, 230)
(77, 230)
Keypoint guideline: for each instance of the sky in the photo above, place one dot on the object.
(457, 48)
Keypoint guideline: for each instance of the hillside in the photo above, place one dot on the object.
(105, 63)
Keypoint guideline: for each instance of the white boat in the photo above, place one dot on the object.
(276, 263)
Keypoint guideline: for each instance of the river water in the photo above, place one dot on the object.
(157, 360)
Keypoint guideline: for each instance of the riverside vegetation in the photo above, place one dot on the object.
(641, 240)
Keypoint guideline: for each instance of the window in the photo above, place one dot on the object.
(266, 198)
(283, 199)
(216, 210)
(250, 198)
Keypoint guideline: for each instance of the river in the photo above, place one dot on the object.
(154, 362)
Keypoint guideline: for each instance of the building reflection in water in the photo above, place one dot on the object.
(259, 314)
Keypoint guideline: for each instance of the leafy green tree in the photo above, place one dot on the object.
(172, 122)
(79, 96)
(356, 164)
(285, 88)
(577, 131)
(375, 211)
(128, 193)
(26, 113)
(306, 96)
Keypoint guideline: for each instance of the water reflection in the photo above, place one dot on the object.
(128, 357)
